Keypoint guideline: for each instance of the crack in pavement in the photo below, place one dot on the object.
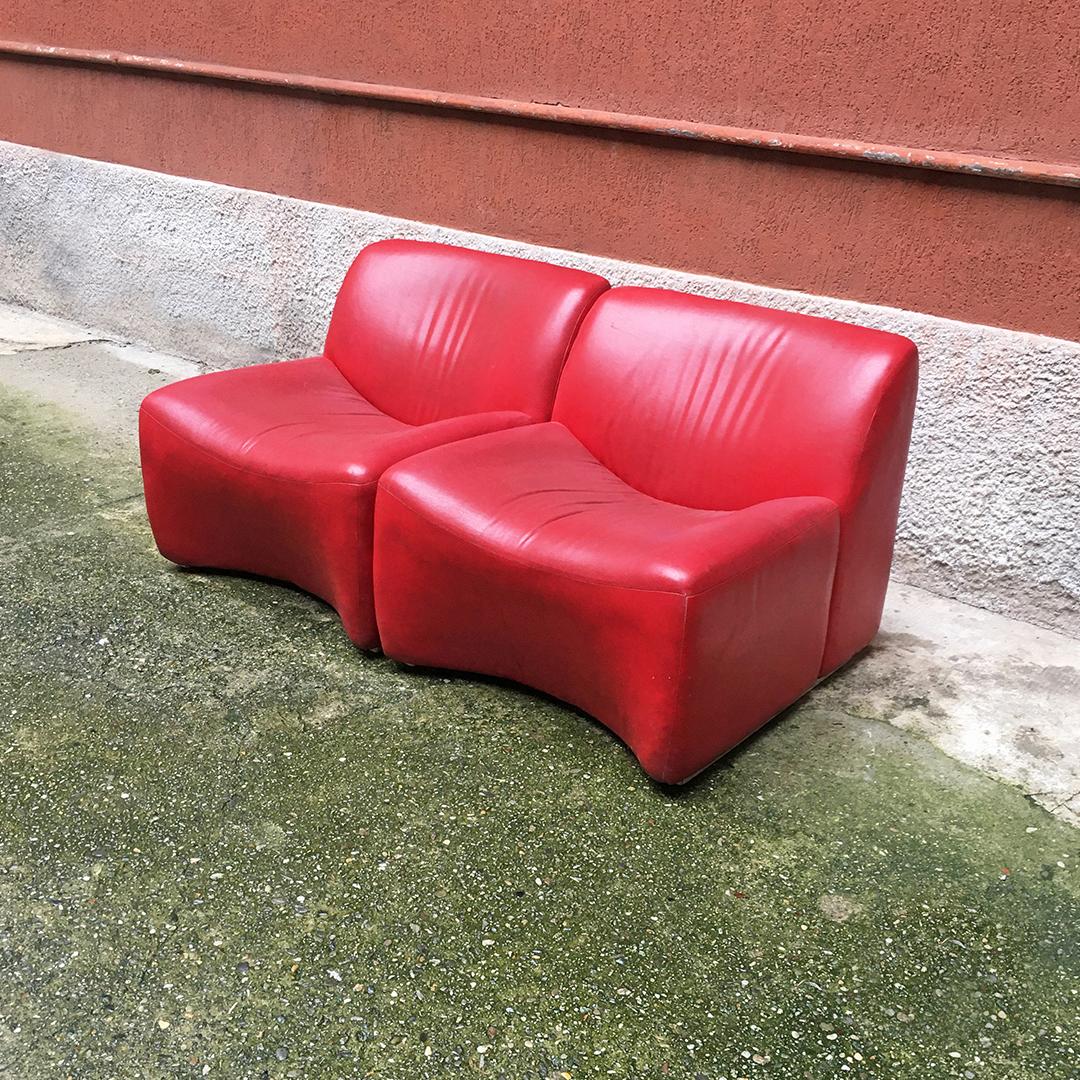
(14, 347)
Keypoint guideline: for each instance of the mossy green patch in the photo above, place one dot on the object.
(231, 845)
(51, 471)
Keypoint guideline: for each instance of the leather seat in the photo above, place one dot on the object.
(538, 498)
(271, 469)
(702, 532)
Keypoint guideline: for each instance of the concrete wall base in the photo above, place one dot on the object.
(230, 276)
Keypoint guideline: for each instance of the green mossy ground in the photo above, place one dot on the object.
(231, 845)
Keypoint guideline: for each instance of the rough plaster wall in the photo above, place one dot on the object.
(992, 501)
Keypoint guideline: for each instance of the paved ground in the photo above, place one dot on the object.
(232, 846)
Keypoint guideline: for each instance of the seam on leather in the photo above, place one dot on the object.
(570, 345)
(775, 553)
(670, 752)
(856, 494)
(249, 471)
(464, 538)
(360, 506)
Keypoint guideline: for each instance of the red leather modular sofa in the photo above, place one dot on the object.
(272, 469)
(675, 513)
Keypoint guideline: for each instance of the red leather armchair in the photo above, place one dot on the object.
(272, 469)
(703, 530)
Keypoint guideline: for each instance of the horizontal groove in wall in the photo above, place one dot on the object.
(1017, 169)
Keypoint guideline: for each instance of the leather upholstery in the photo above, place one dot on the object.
(428, 331)
(271, 469)
(703, 530)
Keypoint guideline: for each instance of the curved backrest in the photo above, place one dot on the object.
(430, 331)
(720, 405)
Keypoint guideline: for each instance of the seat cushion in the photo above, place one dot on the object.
(538, 497)
(299, 420)
(272, 469)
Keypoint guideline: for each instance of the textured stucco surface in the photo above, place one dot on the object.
(979, 84)
(230, 276)
(973, 248)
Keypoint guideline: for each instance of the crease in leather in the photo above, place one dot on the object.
(312, 426)
(443, 335)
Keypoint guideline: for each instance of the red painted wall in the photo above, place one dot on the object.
(1001, 78)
